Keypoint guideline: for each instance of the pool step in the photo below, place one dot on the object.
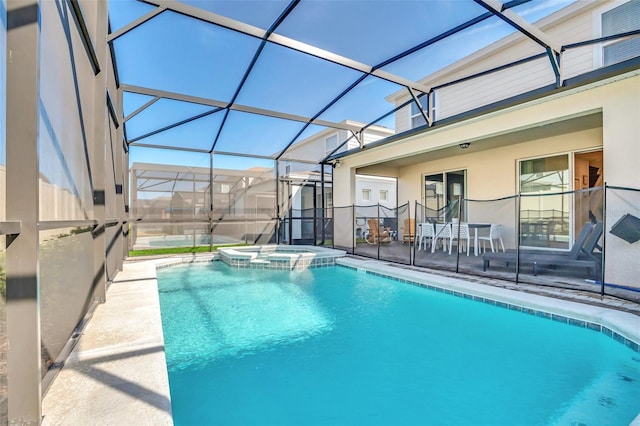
(599, 400)
(259, 262)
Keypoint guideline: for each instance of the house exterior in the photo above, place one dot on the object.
(370, 189)
(327, 141)
(517, 131)
(301, 181)
(296, 169)
(376, 190)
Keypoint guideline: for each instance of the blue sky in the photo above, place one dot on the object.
(175, 53)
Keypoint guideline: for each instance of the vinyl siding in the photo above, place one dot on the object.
(494, 87)
(313, 149)
(465, 96)
(403, 118)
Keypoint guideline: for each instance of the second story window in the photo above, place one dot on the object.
(330, 144)
(384, 195)
(366, 195)
(621, 19)
(416, 117)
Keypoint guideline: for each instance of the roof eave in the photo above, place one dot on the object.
(599, 75)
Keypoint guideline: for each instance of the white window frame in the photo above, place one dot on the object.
(384, 195)
(571, 186)
(445, 184)
(329, 199)
(430, 113)
(327, 148)
(598, 49)
(368, 196)
(287, 166)
(570, 168)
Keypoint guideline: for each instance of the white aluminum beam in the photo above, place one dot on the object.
(242, 154)
(142, 108)
(522, 25)
(172, 95)
(425, 115)
(235, 107)
(358, 137)
(346, 62)
(135, 24)
(175, 148)
(401, 81)
(210, 17)
(292, 117)
(241, 27)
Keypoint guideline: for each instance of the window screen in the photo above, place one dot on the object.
(616, 21)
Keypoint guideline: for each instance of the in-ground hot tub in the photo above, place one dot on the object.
(279, 257)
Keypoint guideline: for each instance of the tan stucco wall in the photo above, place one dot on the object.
(493, 173)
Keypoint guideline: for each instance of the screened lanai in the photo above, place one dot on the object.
(240, 85)
(258, 78)
(129, 125)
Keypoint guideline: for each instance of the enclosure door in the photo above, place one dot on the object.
(302, 213)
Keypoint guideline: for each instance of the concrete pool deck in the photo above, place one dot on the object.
(116, 374)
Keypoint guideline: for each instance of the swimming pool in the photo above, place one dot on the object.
(337, 346)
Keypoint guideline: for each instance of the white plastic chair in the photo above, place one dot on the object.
(495, 233)
(442, 232)
(459, 237)
(425, 233)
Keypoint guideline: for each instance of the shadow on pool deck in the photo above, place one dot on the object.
(117, 372)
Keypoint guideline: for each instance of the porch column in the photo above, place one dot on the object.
(620, 133)
(344, 189)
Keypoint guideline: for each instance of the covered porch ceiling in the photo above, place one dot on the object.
(540, 131)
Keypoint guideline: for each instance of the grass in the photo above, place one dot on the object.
(178, 250)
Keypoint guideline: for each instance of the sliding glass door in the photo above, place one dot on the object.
(544, 212)
(442, 192)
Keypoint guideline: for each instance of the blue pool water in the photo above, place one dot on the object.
(333, 346)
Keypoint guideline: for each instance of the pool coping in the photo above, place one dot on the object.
(68, 398)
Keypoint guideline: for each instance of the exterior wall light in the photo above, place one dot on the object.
(464, 145)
